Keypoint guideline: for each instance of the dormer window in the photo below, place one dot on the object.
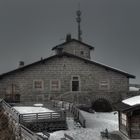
(59, 51)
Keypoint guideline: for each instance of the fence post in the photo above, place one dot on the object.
(51, 115)
(84, 123)
(78, 115)
(37, 116)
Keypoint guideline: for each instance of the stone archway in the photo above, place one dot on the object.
(102, 105)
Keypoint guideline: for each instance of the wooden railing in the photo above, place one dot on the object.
(77, 115)
(72, 109)
(42, 117)
(38, 117)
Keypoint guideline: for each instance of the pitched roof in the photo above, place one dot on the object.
(70, 55)
(121, 106)
(126, 108)
(72, 40)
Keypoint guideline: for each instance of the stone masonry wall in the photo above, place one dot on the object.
(77, 49)
(63, 68)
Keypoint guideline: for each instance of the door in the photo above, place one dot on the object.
(75, 85)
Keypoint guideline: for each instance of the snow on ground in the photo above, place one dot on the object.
(101, 121)
(132, 101)
(30, 109)
(39, 105)
(95, 123)
(134, 89)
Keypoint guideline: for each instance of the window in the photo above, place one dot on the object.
(104, 85)
(75, 83)
(82, 52)
(38, 84)
(55, 85)
(123, 119)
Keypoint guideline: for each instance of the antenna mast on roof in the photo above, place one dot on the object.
(78, 19)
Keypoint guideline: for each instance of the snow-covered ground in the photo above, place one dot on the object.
(31, 109)
(95, 123)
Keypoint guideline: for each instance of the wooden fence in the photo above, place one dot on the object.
(27, 134)
(72, 109)
(36, 117)
(24, 119)
(67, 137)
(42, 117)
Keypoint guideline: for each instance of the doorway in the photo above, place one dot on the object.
(75, 84)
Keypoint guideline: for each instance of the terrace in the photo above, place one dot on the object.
(37, 118)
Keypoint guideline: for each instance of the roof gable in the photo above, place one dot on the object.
(70, 55)
(102, 65)
(72, 40)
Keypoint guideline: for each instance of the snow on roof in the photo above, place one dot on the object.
(29, 109)
(132, 101)
(133, 89)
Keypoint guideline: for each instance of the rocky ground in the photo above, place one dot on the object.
(5, 132)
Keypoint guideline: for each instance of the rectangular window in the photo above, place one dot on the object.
(55, 85)
(123, 119)
(38, 84)
(104, 85)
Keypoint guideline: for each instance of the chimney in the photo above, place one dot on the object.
(21, 64)
(68, 37)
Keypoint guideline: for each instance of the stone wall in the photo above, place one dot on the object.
(7, 127)
(63, 68)
(77, 49)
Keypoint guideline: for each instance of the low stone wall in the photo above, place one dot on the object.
(13, 126)
(6, 128)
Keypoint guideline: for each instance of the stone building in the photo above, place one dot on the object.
(68, 75)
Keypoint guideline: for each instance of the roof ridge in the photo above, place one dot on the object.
(65, 53)
(66, 42)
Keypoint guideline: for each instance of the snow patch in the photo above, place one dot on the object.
(134, 89)
(39, 105)
(29, 109)
(95, 123)
(132, 101)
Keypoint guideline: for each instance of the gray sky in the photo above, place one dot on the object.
(30, 28)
